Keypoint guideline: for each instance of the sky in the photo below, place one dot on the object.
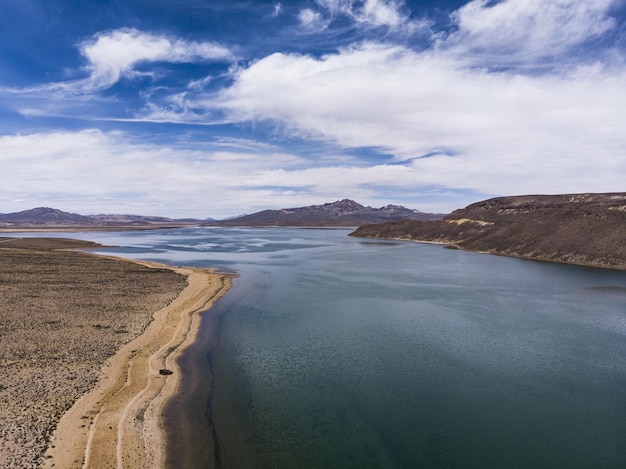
(216, 108)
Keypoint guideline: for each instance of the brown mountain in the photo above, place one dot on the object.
(341, 213)
(586, 229)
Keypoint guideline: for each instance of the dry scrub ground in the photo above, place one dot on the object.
(62, 314)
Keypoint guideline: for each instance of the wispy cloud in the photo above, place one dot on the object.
(387, 14)
(114, 54)
(278, 9)
(126, 54)
(525, 31)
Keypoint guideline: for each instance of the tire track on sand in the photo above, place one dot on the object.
(125, 407)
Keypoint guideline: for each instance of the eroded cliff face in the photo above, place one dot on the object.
(587, 229)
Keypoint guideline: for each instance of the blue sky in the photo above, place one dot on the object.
(200, 108)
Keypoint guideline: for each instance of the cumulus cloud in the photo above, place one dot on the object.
(499, 132)
(446, 122)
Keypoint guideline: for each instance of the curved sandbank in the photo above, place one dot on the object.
(118, 423)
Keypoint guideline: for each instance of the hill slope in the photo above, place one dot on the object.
(341, 213)
(587, 229)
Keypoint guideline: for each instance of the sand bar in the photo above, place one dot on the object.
(118, 422)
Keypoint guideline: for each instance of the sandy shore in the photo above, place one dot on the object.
(62, 346)
(118, 424)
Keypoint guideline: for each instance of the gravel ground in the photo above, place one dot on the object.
(62, 314)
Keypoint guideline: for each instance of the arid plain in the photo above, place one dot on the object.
(63, 314)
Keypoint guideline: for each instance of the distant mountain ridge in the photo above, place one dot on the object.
(44, 215)
(51, 217)
(344, 212)
(586, 229)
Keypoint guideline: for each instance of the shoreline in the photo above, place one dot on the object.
(119, 422)
(89, 228)
(455, 245)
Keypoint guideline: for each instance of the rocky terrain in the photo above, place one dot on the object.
(341, 213)
(62, 314)
(586, 229)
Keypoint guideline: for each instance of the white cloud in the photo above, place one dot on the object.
(509, 132)
(495, 133)
(368, 13)
(312, 20)
(335, 7)
(114, 54)
(527, 29)
(91, 171)
(88, 170)
(381, 13)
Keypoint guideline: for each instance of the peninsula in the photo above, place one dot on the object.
(585, 229)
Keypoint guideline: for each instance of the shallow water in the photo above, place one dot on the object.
(338, 352)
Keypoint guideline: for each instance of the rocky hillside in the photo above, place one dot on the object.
(341, 213)
(586, 229)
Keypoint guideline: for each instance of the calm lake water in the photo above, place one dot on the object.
(334, 352)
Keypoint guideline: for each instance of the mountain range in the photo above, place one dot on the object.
(586, 229)
(344, 212)
(341, 213)
(45, 217)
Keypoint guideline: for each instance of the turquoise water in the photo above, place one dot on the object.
(334, 352)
